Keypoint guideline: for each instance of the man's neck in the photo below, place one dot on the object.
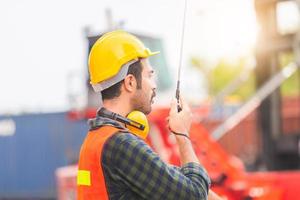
(117, 106)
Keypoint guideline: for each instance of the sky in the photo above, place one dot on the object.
(43, 46)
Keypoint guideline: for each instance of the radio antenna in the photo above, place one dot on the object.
(180, 57)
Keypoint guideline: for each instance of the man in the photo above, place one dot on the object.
(115, 163)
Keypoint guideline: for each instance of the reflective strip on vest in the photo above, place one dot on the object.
(84, 177)
(90, 178)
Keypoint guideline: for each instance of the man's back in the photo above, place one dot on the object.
(133, 171)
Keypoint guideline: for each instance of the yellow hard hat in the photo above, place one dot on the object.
(111, 51)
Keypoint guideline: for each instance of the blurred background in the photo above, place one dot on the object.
(240, 73)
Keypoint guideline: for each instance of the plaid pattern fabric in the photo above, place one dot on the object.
(133, 171)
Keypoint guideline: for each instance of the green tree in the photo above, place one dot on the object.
(223, 73)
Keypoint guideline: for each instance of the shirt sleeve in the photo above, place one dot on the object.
(146, 174)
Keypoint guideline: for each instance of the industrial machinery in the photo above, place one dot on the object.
(265, 110)
(228, 174)
(28, 173)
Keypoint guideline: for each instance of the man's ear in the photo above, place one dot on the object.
(130, 83)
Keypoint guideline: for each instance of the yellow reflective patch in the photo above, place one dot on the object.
(84, 177)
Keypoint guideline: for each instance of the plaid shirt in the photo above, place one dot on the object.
(133, 171)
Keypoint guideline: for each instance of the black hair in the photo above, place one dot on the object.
(114, 91)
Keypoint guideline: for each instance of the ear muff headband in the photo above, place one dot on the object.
(106, 113)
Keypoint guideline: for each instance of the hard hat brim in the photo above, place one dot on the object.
(154, 53)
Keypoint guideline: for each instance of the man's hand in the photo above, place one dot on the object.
(180, 122)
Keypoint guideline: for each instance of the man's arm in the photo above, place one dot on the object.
(180, 122)
(140, 169)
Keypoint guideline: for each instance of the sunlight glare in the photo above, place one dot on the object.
(229, 28)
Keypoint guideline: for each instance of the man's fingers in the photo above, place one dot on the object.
(173, 106)
(183, 103)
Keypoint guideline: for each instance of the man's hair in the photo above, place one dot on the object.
(114, 91)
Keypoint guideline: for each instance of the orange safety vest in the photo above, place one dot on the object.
(90, 178)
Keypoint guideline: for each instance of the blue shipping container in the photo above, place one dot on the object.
(32, 147)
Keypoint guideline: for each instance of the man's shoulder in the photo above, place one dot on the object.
(122, 147)
(121, 142)
(123, 137)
